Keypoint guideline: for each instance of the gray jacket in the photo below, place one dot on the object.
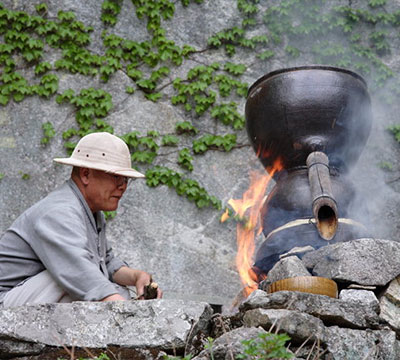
(60, 234)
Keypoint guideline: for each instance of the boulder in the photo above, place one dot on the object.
(357, 261)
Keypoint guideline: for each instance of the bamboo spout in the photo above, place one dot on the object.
(323, 203)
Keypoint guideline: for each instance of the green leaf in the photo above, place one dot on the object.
(148, 142)
(42, 68)
(66, 16)
(199, 147)
(48, 132)
(18, 97)
(153, 133)
(185, 159)
(25, 176)
(395, 130)
(3, 100)
(266, 55)
(294, 52)
(235, 69)
(143, 156)
(169, 140)
(185, 127)
(129, 90)
(266, 346)
(41, 8)
(133, 73)
(132, 139)
(146, 85)
(153, 96)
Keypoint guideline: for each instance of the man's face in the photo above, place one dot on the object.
(104, 190)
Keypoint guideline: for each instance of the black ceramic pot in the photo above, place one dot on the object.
(293, 112)
(315, 120)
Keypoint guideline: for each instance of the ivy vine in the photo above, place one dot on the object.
(207, 90)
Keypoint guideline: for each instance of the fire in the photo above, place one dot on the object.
(247, 210)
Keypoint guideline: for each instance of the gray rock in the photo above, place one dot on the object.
(390, 313)
(157, 324)
(287, 267)
(298, 250)
(390, 305)
(113, 352)
(256, 295)
(392, 293)
(298, 325)
(335, 342)
(229, 345)
(344, 344)
(362, 261)
(10, 348)
(362, 296)
(330, 311)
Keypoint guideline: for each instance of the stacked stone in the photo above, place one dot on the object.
(362, 323)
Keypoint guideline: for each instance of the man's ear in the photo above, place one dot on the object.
(84, 174)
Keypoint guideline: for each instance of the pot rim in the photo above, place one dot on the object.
(305, 67)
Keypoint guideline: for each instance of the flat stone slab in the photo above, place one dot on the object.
(366, 261)
(331, 311)
(152, 324)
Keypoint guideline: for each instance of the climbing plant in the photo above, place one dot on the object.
(358, 37)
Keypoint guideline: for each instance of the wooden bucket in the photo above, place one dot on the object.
(309, 284)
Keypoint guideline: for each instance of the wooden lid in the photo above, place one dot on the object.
(310, 284)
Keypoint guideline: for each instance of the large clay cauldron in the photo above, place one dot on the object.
(314, 120)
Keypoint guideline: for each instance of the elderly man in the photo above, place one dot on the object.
(57, 251)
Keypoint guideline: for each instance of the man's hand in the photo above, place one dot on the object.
(146, 288)
(126, 276)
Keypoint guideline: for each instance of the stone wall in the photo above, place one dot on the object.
(361, 323)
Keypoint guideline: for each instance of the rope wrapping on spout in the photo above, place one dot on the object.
(299, 222)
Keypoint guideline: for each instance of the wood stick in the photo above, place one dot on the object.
(150, 291)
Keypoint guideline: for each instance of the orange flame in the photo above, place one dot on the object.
(248, 209)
